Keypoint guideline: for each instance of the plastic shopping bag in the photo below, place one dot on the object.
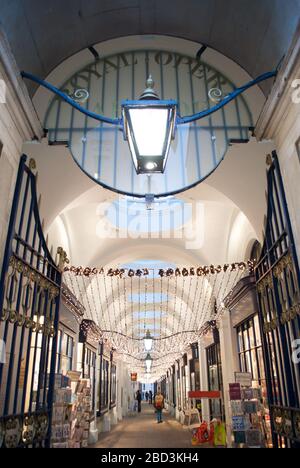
(220, 435)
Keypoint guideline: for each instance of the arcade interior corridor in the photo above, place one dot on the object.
(149, 225)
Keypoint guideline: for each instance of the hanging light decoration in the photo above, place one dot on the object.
(149, 128)
(148, 362)
(148, 341)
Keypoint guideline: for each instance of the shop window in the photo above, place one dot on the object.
(215, 380)
(179, 396)
(250, 350)
(195, 369)
(59, 352)
(103, 391)
(184, 387)
(252, 361)
(89, 369)
(113, 398)
(64, 353)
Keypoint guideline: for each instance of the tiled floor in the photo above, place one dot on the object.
(142, 431)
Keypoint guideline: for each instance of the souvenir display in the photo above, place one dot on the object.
(237, 408)
(71, 413)
(247, 415)
(250, 407)
(248, 394)
(240, 437)
(239, 423)
(253, 438)
(235, 391)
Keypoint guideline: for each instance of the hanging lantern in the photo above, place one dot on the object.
(149, 128)
(148, 341)
(148, 362)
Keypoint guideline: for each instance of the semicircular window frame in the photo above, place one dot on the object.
(61, 121)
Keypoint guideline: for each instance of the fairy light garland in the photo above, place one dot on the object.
(187, 298)
(170, 272)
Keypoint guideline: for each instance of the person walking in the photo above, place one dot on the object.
(147, 396)
(159, 403)
(150, 397)
(138, 398)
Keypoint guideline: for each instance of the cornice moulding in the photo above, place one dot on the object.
(21, 105)
(280, 98)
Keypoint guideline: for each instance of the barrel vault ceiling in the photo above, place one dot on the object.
(253, 33)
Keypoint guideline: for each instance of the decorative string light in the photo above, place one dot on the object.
(179, 320)
(169, 272)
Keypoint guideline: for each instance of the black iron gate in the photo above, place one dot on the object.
(29, 303)
(278, 286)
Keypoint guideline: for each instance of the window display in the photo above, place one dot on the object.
(215, 380)
(64, 354)
(104, 386)
(251, 360)
(113, 391)
(89, 369)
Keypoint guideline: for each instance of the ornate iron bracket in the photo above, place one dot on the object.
(180, 120)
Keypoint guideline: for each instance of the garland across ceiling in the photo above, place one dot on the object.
(169, 272)
(178, 307)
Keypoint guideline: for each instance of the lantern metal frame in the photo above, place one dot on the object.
(140, 161)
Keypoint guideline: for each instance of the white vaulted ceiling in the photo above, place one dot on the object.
(253, 33)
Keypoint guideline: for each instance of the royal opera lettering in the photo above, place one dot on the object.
(106, 66)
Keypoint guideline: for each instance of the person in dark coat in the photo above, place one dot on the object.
(150, 397)
(138, 397)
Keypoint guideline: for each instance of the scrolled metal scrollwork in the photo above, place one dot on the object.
(215, 95)
(80, 95)
(277, 418)
(29, 430)
(289, 294)
(41, 322)
(296, 424)
(42, 426)
(13, 432)
(287, 423)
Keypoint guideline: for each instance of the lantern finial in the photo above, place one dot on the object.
(149, 93)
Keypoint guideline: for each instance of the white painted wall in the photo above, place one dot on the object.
(18, 123)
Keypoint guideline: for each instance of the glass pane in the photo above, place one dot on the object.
(240, 341)
(255, 373)
(242, 362)
(257, 331)
(248, 362)
(251, 336)
(261, 363)
(246, 340)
